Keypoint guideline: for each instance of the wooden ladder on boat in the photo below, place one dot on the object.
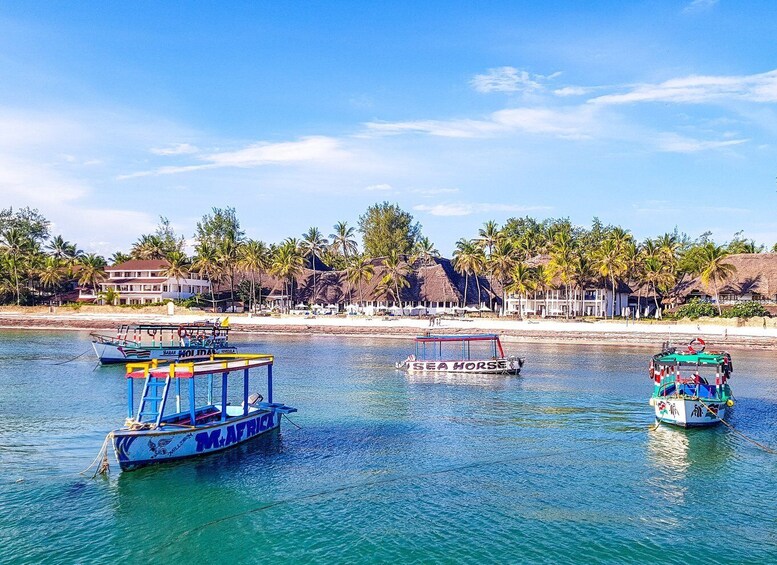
(153, 400)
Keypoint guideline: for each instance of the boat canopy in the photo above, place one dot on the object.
(695, 359)
(219, 363)
(431, 346)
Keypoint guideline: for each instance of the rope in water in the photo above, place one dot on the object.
(292, 422)
(102, 456)
(733, 429)
(73, 359)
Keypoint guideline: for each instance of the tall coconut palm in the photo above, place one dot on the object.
(178, 267)
(52, 273)
(359, 270)
(488, 236)
(206, 263)
(610, 263)
(714, 268)
(148, 246)
(286, 264)
(92, 271)
(562, 263)
(543, 281)
(463, 257)
(501, 263)
(15, 246)
(424, 251)
(254, 258)
(522, 282)
(313, 243)
(394, 275)
(343, 239)
(658, 277)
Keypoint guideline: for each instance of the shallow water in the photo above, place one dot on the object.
(556, 465)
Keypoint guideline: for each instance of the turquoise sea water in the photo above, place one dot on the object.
(554, 466)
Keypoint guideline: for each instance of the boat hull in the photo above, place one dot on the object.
(138, 448)
(502, 366)
(689, 412)
(112, 353)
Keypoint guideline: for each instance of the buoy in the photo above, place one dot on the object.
(729, 403)
(652, 401)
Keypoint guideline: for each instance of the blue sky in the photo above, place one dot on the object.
(647, 114)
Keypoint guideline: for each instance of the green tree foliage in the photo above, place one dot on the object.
(385, 228)
(747, 309)
(696, 309)
(221, 235)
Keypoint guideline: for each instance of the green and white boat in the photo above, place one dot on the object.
(691, 385)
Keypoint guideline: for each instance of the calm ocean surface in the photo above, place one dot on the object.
(556, 465)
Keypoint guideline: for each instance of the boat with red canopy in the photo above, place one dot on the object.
(474, 353)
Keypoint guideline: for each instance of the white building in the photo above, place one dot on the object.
(593, 301)
(143, 282)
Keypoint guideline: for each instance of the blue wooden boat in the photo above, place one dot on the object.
(168, 424)
(477, 353)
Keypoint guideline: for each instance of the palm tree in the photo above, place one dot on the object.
(119, 257)
(543, 280)
(522, 282)
(343, 240)
(286, 264)
(148, 246)
(501, 262)
(462, 262)
(206, 263)
(254, 257)
(395, 275)
(15, 246)
(313, 242)
(110, 295)
(52, 272)
(658, 276)
(562, 263)
(424, 251)
(92, 271)
(610, 263)
(178, 267)
(714, 268)
(488, 236)
(359, 269)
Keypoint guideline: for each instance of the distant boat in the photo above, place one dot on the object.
(478, 353)
(164, 342)
(158, 432)
(691, 385)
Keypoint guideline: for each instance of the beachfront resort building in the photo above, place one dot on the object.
(755, 279)
(594, 300)
(145, 282)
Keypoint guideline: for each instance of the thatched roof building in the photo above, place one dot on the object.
(755, 279)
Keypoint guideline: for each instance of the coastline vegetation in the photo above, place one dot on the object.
(36, 266)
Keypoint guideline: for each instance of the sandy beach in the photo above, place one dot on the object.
(726, 333)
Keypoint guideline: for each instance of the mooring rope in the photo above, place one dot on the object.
(73, 359)
(736, 431)
(292, 422)
(102, 456)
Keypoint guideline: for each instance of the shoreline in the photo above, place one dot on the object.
(600, 332)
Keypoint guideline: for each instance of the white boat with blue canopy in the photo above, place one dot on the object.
(168, 423)
(164, 342)
(474, 353)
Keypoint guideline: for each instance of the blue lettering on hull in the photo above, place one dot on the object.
(234, 433)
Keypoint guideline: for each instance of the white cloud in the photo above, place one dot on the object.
(312, 149)
(570, 123)
(509, 79)
(673, 143)
(467, 209)
(700, 89)
(574, 90)
(699, 6)
(378, 187)
(176, 149)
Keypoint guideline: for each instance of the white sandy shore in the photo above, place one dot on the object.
(602, 331)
